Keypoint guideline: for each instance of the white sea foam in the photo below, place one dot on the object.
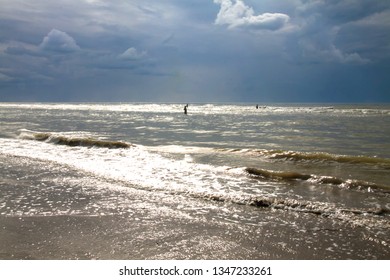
(134, 165)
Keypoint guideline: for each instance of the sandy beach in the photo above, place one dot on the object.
(116, 237)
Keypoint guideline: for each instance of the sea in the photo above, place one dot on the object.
(224, 181)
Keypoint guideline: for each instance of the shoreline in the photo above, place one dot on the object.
(111, 221)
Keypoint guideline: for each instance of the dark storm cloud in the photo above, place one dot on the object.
(195, 50)
(340, 12)
(349, 31)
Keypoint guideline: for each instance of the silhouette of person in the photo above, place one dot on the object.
(185, 109)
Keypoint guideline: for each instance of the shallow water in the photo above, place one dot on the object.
(279, 167)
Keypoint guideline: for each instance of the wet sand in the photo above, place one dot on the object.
(118, 237)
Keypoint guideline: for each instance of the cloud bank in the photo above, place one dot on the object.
(195, 50)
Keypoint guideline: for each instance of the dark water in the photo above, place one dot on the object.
(301, 170)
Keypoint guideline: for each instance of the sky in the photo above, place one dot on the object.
(195, 51)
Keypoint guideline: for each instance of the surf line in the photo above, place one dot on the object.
(289, 176)
(75, 141)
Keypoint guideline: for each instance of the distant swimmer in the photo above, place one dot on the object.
(257, 106)
(185, 109)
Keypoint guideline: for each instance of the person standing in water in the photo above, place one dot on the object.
(185, 109)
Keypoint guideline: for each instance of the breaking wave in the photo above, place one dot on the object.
(141, 169)
(355, 216)
(325, 157)
(315, 157)
(288, 176)
(72, 141)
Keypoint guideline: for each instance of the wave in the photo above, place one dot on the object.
(72, 141)
(317, 208)
(355, 216)
(137, 168)
(288, 176)
(314, 157)
(301, 156)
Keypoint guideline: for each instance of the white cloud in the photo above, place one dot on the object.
(240, 15)
(59, 41)
(133, 54)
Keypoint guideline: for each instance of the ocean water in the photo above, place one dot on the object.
(312, 180)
